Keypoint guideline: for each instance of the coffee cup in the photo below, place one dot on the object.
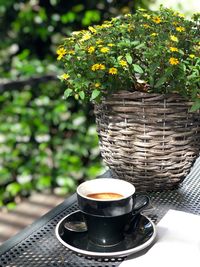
(109, 208)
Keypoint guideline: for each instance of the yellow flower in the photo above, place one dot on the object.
(95, 67)
(102, 67)
(86, 36)
(173, 49)
(130, 27)
(98, 67)
(173, 61)
(180, 15)
(99, 41)
(112, 71)
(106, 25)
(123, 63)
(71, 52)
(142, 9)
(64, 76)
(124, 26)
(146, 16)
(154, 34)
(92, 29)
(76, 33)
(104, 49)
(114, 19)
(61, 52)
(180, 29)
(191, 55)
(97, 85)
(173, 38)
(146, 25)
(91, 49)
(157, 20)
(111, 45)
(98, 27)
(127, 15)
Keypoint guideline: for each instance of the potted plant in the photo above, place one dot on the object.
(142, 72)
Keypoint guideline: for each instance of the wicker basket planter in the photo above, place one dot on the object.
(150, 140)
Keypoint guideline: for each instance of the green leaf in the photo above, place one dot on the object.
(76, 47)
(137, 68)
(43, 182)
(82, 95)
(140, 46)
(135, 43)
(13, 188)
(71, 184)
(24, 54)
(11, 205)
(78, 8)
(94, 170)
(119, 58)
(129, 58)
(76, 96)
(91, 16)
(195, 106)
(61, 180)
(95, 94)
(151, 81)
(160, 81)
(68, 92)
(192, 76)
(181, 51)
(69, 17)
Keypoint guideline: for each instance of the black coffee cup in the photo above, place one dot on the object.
(109, 208)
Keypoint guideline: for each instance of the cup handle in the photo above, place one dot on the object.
(145, 203)
(135, 214)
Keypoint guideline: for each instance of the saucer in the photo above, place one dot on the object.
(137, 239)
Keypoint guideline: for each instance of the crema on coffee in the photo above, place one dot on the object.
(106, 195)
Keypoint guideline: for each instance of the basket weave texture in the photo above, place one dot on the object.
(150, 140)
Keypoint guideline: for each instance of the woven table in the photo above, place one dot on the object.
(37, 245)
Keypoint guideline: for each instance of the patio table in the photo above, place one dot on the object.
(37, 244)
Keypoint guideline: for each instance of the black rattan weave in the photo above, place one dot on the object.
(41, 248)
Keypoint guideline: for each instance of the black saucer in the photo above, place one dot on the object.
(139, 238)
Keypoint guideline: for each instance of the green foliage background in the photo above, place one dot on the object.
(45, 141)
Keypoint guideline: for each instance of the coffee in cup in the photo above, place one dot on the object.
(108, 206)
(105, 195)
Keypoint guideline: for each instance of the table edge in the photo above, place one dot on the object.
(27, 231)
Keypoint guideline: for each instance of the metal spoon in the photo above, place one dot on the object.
(75, 222)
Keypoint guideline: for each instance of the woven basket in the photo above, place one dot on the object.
(150, 140)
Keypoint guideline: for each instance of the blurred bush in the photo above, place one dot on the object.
(45, 141)
(31, 30)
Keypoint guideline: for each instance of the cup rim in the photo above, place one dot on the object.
(105, 200)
